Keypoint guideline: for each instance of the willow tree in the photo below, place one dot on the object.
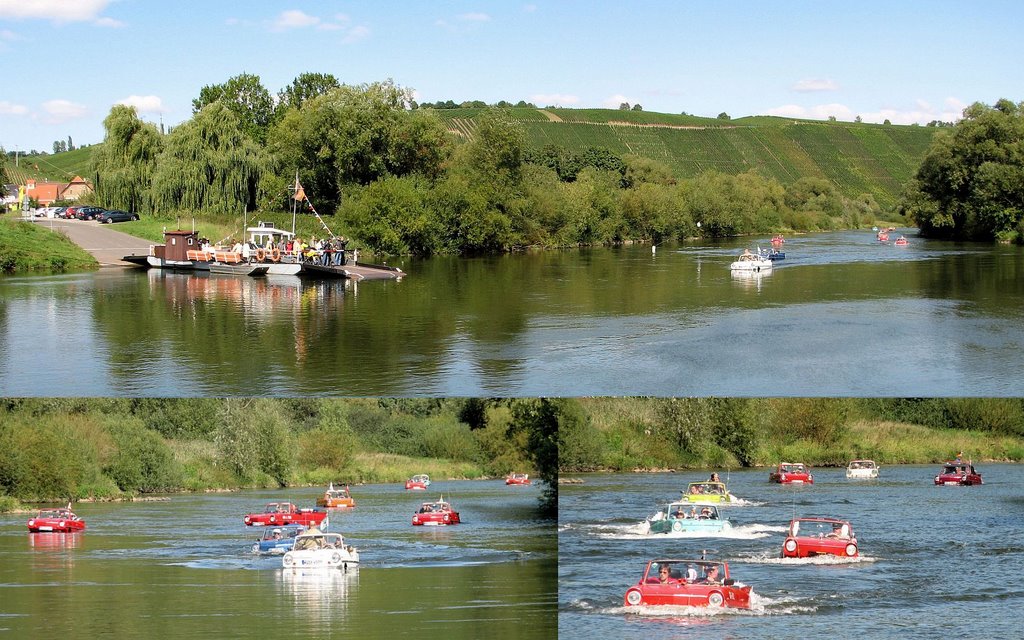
(208, 163)
(354, 135)
(123, 166)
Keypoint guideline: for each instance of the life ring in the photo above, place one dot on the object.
(261, 255)
(275, 254)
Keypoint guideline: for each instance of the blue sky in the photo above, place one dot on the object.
(66, 62)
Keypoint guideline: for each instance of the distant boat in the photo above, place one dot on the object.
(748, 261)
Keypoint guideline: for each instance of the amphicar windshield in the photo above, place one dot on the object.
(862, 464)
(706, 488)
(685, 510)
(792, 468)
(693, 571)
(278, 507)
(821, 529)
(319, 541)
(958, 469)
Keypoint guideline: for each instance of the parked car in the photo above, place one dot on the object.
(69, 213)
(116, 216)
(88, 213)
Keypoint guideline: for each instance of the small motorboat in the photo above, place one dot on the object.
(693, 583)
(808, 537)
(773, 254)
(418, 482)
(317, 549)
(749, 261)
(336, 498)
(438, 513)
(517, 478)
(901, 241)
(685, 516)
(56, 521)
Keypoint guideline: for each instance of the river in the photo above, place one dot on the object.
(935, 561)
(182, 568)
(841, 315)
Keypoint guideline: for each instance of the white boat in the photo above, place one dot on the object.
(862, 469)
(266, 235)
(748, 261)
(317, 549)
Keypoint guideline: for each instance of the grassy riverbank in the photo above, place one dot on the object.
(626, 434)
(114, 449)
(29, 248)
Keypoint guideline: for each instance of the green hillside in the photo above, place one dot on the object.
(858, 158)
(57, 167)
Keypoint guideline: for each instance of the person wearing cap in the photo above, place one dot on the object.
(711, 577)
(277, 534)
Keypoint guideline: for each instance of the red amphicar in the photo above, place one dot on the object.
(791, 473)
(901, 241)
(517, 478)
(418, 482)
(438, 513)
(56, 521)
(778, 239)
(278, 513)
(958, 473)
(808, 537)
(693, 583)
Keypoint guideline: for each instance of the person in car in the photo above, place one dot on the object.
(711, 577)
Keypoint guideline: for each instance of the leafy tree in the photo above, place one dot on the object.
(123, 167)
(624, 106)
(637, 107)
(356, 135)
(544, 419)
(724, 116)
(497, 151)
(970, 185)
(247, 98)
(208, 163)
(858, 119)
(305, 87)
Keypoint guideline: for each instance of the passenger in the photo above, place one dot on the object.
(277, 534)
(664, 574)
(693, 512)
(680, 513)
(712, 575)
(714, 478)
(691, 573)
(705, 513)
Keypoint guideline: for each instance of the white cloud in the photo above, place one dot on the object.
(815, 84)
(11, 109)
(921, 113)
(613, 102)
(6, 35)
(529, 8)
(109, 22)
(475, 17)
(144, 104)
(355, 34)
(60, 111)
(55, 10)
(294, 19)
(561, 99)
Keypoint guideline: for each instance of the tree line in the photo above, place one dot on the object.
(398, 181)
(59, 449)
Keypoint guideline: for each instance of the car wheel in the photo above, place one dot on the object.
(715, 599)
(134, 218)
(107, 220)
(256, 548)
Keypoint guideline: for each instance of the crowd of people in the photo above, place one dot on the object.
(324, 251)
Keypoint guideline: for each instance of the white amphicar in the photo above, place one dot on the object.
(315, 548)
(748, 261)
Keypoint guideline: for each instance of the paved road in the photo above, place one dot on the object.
(104, 242)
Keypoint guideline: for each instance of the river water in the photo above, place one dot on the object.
(935, 562)
(183, 569)
(842, 315)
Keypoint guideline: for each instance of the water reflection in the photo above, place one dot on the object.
(750, 279)
(54, 541)
(320, 593)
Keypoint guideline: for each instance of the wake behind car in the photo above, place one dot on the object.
(279, 513)
(277, 540)
(791, 473)
(682, 516)
(693, 583)
(57, 521)
(116, 215)
(316, 549)
(808, 537)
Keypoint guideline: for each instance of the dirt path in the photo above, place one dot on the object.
(552, 117)
(105, 243)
